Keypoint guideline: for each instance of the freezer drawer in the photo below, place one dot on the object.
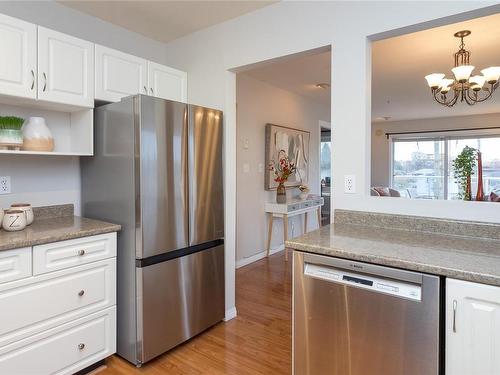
(358, 319)
(180, 298)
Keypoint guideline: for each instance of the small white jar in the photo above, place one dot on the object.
(14, 220)
(28, 210)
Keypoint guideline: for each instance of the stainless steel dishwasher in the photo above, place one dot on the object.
(352, 318)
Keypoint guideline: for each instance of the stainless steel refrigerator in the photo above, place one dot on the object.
(157, 171)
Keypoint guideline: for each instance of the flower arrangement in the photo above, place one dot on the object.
(283, 169)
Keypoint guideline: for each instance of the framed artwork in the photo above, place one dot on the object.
(295, 144)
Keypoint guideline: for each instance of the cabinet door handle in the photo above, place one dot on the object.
(44, 81)
(32, 79)
(81, 293)
(81, 252)
(145, 90)
(455, 315)
(152, 92)
(81, 346)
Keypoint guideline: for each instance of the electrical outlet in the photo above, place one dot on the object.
(349, 184)
(4, 184)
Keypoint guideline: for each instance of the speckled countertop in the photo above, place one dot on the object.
(460, 257)
(53, 228)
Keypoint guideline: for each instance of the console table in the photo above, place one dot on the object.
(292, 207)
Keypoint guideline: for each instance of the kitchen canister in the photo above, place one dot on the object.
(28, 211)
(14, 220)
(37, 135)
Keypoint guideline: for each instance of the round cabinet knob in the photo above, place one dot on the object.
(81, 252)
(81, 293)
(81, 346)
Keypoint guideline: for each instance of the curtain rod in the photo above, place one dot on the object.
(440, 131)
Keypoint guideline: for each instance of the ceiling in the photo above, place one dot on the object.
(298, 74)
(165, 20)
(399, 89)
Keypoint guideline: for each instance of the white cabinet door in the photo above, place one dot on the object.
(472, 328)
(18, 57)
(118, 74)
(167, 83)
(65, 68)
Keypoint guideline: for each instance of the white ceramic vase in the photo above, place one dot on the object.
(37, 135)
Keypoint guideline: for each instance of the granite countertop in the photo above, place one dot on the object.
(461, 257)
(53, 229)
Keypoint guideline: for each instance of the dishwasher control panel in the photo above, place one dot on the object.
(375, 283)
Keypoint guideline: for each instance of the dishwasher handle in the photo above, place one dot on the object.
(365, 268)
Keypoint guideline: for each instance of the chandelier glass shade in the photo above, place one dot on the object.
(465, 87)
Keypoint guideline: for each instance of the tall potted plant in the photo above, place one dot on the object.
(282, 169)
(463, 168)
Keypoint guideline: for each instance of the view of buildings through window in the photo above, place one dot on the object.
(422, 168)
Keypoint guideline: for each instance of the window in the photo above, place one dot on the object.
(422, 168)
(325, 157)
(418, 168)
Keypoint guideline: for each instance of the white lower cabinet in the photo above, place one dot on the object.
(60, 320)
(472, 328)
(64, 349)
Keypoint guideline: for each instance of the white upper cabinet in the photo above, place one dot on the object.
(65, 68)
(118, 74)
(18, 57)
(167, 83)
(472, 328)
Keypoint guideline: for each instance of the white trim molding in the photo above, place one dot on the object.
(261, 255)
(231, 313)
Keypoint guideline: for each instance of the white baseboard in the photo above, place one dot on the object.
(230, 314)
(254, 258)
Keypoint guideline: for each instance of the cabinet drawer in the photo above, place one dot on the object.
(64, 254)
(39, 304)
(15, 264)
(64, 349)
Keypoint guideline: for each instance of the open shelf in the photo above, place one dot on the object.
(72, 128)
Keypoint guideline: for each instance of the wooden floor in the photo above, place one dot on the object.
(257, 342)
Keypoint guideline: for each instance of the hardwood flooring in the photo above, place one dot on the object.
(256, 342)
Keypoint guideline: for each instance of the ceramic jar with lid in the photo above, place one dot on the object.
(28, 211)
(14, 220)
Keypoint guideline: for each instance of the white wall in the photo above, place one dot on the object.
(380, 163)
(260, 103)
(291, 27)
(53, 180)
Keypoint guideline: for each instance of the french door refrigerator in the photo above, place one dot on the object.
(157, 171)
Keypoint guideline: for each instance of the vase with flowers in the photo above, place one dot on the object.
(282, 170)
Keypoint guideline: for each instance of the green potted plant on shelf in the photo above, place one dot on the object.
(463, 168)
(11, 136)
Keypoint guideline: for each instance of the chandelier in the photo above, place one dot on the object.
(468, 88)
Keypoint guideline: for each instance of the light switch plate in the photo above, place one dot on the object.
(246, 168)
(5, 185)
(350, 184)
